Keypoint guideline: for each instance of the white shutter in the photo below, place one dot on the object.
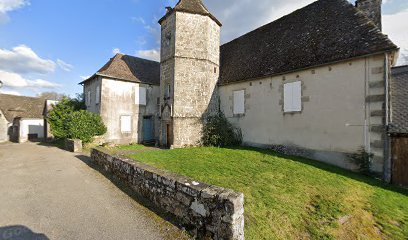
(292, 95)
(239, 102)
(140, 95)
(287, 97)
(297, 97)
(98, 95)
(126, 124)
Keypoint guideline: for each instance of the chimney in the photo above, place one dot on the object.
(372, 9)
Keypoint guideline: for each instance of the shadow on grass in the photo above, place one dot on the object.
(329, 168)
(131, 193)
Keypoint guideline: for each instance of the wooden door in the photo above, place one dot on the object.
(168, 135)
(148, 129)
(400, 161)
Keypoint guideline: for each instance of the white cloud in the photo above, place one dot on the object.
(396, 25)
(115, 51)
(152, 54)
(8, 6)
(14, 80)
(84, 77)
(23, 60)
(64, 66)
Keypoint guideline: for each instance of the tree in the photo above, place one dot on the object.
(84, 125)
(59, 116)
(51, 96)
(67, 119)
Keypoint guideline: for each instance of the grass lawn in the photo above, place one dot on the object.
(294, 198)
(131, 147)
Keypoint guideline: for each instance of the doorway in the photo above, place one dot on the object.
(148, 134)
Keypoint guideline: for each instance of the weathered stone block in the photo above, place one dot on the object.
(73, 145)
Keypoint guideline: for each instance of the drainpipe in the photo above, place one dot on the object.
(387, 144)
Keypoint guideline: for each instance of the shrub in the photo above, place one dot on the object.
(58, 116)
(219, 132)
(85, 125)
(67, 119)
(363, 160)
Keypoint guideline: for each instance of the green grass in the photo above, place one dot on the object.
(131, 147)
(294, 198)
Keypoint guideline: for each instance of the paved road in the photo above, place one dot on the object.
(48, 191)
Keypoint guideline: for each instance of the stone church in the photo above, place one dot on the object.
(314, 82)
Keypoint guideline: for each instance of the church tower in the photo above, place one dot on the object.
(189, 71)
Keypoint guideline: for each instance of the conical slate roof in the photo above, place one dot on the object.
(191, 6)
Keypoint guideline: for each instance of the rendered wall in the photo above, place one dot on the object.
(4, 128)
(118, 99)
(340, 111)
(31, 126)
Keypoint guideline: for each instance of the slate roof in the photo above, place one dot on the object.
(323, 32)
(191, 6)
(21, 107)
(129, 68)
(399, 100)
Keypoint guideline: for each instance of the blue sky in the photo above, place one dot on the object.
(50, 45)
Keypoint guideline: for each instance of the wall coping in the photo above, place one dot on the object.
(206, 211)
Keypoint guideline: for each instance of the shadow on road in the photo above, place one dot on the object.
(19, 232)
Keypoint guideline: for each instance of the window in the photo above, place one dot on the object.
(98, 95)
(239, 102)
(168, 91)
(126, 124)
(140, 95)
(293, 97)
(88, 98)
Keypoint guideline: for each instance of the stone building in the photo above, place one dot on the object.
(21, 118)
(314, 83)
(125, 92)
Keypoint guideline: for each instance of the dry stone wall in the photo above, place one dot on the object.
(207, 212)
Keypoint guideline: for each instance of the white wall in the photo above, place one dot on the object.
(118, 99)
(31, 126)
(334, 108)
(4, 125)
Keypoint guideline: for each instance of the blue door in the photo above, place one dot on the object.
(148, 129)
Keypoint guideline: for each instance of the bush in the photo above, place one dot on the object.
(57, 118)
(85, 125)
(219, 132)
(67, 119)
(363, 160)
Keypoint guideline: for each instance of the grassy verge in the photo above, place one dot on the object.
(131, 147)
(294, 198)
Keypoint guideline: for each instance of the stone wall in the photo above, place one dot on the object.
(4, 128)
(207, 212)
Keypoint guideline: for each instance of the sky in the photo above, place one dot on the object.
(52, 45)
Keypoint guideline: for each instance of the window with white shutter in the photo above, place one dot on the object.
(239, 102)
(126, 124)
(140, 95)
(98, 95)
(293, 97)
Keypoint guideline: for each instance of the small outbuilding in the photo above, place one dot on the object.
(398, 127)
(21, 118)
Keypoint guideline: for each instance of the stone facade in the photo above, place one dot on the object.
(207, 212)
(371, 8)
(189, 75)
